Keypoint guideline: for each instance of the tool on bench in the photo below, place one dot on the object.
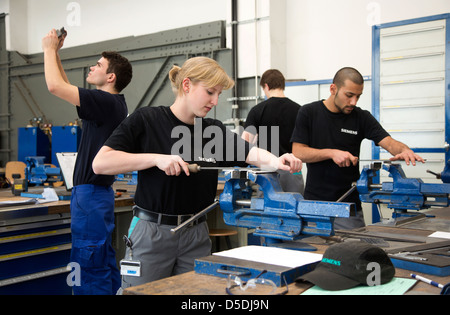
(432, 258)
(278, 217)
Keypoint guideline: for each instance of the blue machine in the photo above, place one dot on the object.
(279, 217)
(38, 173)
(64, 139)
(32, 141)
(402, 193)
(130, 178)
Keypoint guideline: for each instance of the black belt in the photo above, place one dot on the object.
(164, 219)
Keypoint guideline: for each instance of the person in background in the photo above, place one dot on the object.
(92, 204)
(276, 115)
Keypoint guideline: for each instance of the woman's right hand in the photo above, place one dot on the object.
(172, 165)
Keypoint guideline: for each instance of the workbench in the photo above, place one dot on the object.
(35, 241)
(193, 284)
(57, 207)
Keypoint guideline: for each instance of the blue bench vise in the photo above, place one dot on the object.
(277, 216)
(38, 173)
(402, 194)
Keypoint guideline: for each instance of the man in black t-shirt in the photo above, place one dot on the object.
(328, 136)
(92, 204)
(270, 125)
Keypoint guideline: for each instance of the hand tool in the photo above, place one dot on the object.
(61, 32)
(409, 255)
(384, 236)
(195, 168)
(430, 258)
(377, 160)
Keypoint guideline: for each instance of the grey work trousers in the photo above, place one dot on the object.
(163, 254)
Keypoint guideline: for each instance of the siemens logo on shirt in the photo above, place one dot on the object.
(350, 132)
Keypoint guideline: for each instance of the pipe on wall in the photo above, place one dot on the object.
(234, 31)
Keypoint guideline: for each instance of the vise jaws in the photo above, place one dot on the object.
(277, 216)
(38, 173)
(402, 193)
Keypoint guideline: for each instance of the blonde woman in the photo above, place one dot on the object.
(160, 142)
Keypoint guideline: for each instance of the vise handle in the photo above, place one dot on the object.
(195, 217)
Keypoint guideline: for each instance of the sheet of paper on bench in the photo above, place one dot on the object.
(272, 255)
(439, 234)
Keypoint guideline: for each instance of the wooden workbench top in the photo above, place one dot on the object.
(61, 206)
(195, 284)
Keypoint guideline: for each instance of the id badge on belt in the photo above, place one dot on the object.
(130, 267)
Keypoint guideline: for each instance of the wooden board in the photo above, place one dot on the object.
(14, 167)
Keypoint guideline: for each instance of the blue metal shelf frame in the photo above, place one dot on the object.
(376, 84)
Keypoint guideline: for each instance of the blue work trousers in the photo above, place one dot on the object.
(92, 213)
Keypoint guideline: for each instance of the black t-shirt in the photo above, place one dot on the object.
(278, 112)
(319, 128)
(157, 130)
(101, 112)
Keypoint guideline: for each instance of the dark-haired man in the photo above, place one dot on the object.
(328, 136)
(276, 114)
(92, 205)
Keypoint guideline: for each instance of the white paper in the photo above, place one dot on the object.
(440, 235)
(272, 256)
(67, 164)
(49, 195)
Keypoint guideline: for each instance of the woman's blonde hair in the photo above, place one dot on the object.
(200, 69)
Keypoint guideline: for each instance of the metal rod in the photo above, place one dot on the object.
(244, 203)
(347, 193)
(195, 217)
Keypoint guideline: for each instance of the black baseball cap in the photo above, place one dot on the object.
(349, 264)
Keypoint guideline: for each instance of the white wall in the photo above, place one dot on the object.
(90, 21)
(320, 36)
(326, 35)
